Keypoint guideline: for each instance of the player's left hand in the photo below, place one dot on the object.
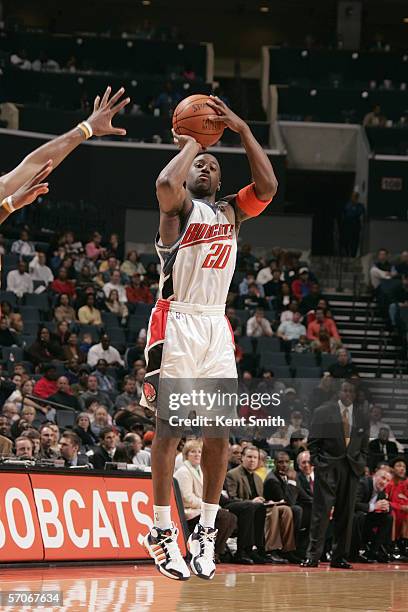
(32, 188)
(105, 110)
(225, 115)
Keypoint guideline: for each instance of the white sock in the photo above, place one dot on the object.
(162, 517)
(208, 514)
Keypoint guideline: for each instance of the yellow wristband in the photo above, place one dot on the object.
(86, 129)
(7, 204)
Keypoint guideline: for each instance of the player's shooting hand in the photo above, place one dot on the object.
(32, 188)
(181, 140)
(225, 115)
(105, 110)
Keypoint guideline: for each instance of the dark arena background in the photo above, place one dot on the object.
(319, 296)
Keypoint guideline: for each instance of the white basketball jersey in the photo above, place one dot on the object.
(199, 266)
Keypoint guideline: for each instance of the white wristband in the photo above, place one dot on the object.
(88, 127)
(8, 204)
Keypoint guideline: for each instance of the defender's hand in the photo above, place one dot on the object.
(105, 110)
(34, 187)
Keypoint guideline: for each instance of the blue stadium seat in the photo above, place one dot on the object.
(327, 360)
(270, 360)
(90, 329)
(39, 300)
(146, 258)
(31, 328)
(243, 316)
(304, 372)
(266, 343)
(29, 313)
(137, 322)
(141, 309)
(246, 344)
(10, 260)
(117, 336)
(12, 351)
(282, 372)
(8, 296)
(110, 320)
(303, 360)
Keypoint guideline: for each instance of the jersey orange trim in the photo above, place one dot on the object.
(249, 203)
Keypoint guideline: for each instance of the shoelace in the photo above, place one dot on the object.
(170, 546)
(207, 542)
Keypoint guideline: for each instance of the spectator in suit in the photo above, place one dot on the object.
(372, 522)
(190, 479)
(382, 449)
(69, 449)
(234, 459)
(24, 448)
(245, 488)
(94, 393)
(137, 455)
(305, 481)
(106, 382)
(46, 443)
(281, 485)
(107, 451)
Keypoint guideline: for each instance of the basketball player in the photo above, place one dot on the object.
(189, 336)
(19, 188)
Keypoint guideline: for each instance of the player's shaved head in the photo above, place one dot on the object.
(204, 177)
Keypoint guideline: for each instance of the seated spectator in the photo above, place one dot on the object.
(39, 271)
(64, 310)
(376, 423)
(136, 353)
(94, 394)
(88, 314)
(19, 60)
(381, 268)
(302, 285)
(72, 352)
(107, 451)
(62, 333)
(57, 259)
(382, 449)
(252, 299)
(281, 485)
(46, 443)
(80, 386)
(116, 307)
(323, 392)
(152, 276)
(104, 350)
(245, 259)
(266, 274)
(273, 288)
(234, 321)
(130, 394)
(47, 384)
(23, 247)
(258, 325)
(282, 302)
(83, 430)
(262, 529)
(375, 118)
(94, 249)
(108, 267)
(234, 456)
(70, 244)
(311, 301)
(324, 344)
(85, 277)
(63, 285)
(86, 343)
(287, 314)
(401, 267)
(19, 281)
(399, 301)
(138, 292)
(101, 419)
(24, 448)
(106, 382)
(114, 247)
(397, 493)
(302, 346)
(34, 436)
(262, 469)
(190, 479)
(115, 283)
(343, 368)
(250, 280)
(64, 395)
(69, 450)
(291, 331)
(137, 455)
(44, 349)
(132, 265)
(6, 310)
(8, 337)
(372, 523)
(322, 322)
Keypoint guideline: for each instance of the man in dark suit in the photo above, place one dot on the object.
(282, 484)
(105, 453)
(382, 449)
(372, 525)
(338, 445)
(245, 499)
(69, 449)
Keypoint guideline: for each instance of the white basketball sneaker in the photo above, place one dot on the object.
(161, 544)
(201, 545)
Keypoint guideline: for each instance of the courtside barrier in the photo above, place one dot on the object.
(57, 515)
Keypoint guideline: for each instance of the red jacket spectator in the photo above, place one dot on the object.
(138, 292)
(320, 322)
(47, 385)
(62, 284)
(301, 286)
